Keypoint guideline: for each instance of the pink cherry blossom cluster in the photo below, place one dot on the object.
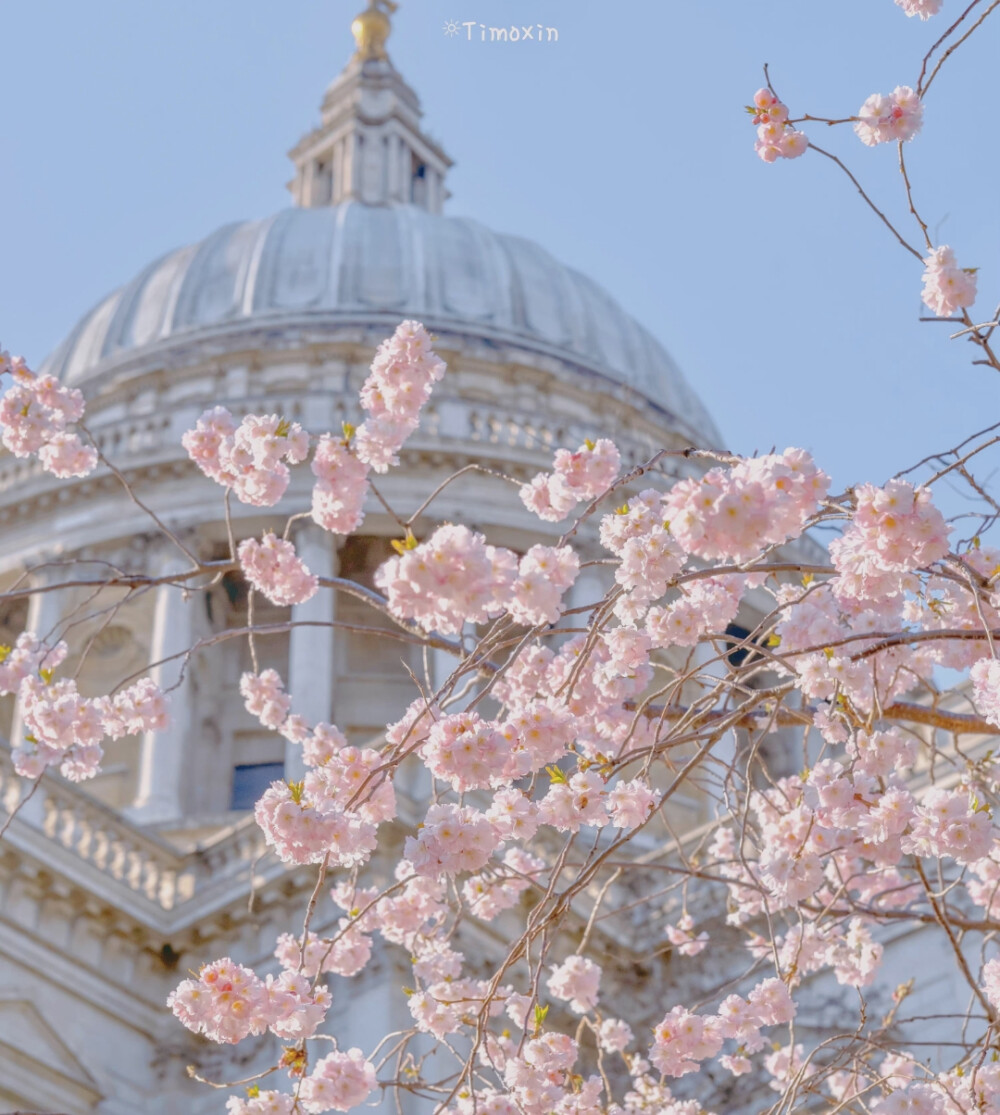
(584, 475)
(947, 287)
(544, 574)
(350, 778)
(776, 138)
(453, 578)
(456, 577)
(884, 119)
(228, 1002)
(895, 529)
(453, 839)
(248, 458)
(683, 938)
(683, 1040)
(402, 374)
(573, 803)
(991, 981)
(261, 1103)
(65, 729)
(142, 707)
(273, 568)
(738, 512)
(923, 8)
(304, 825)
(265, 697)
(985, 675)
(36, 414)
(705, 605)
(576, 981)
(630, 803)
(467, 752)
(339, 1082)
(338, 497)
(26, 657)
(944, 826)
(346, 954)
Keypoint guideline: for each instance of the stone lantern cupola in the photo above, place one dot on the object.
(369, 146)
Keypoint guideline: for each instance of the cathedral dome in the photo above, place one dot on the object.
(375, 264)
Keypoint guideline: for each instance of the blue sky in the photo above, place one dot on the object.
(131, 128)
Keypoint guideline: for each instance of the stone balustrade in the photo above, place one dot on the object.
(72, 822)
(128, 438)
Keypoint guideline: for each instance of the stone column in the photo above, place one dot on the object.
(393, 184)
(162, 758)
(405, 172)
(337, 172)
(309, 188)
(352, 165)
(311, 669)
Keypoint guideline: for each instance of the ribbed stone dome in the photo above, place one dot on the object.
(355, 263)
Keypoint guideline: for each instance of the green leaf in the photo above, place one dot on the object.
(407, 543)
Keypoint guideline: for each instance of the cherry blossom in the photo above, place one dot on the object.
(735, 513)
(341, 486)
(584, 474)
(304, 825)
(453, 578)
(265, 697)
(403, 372)
(261, 1103)
(923, 8)
(339, 1082)
(453, 839)
(248, 458)
(576, 981)
(947, 287)
(985, 676)
(225, 1003)
(776, 138)
(882, 119)
(36, 414)
(273, 568)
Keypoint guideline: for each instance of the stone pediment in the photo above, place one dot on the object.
(37, 1068)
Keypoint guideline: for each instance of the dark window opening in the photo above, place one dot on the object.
(250, 780)
(738, 655)
(418, 182)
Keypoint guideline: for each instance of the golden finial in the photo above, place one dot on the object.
(371, 29)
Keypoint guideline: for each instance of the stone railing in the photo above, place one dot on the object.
(150, 434)
(77, 824)
(64, 819)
